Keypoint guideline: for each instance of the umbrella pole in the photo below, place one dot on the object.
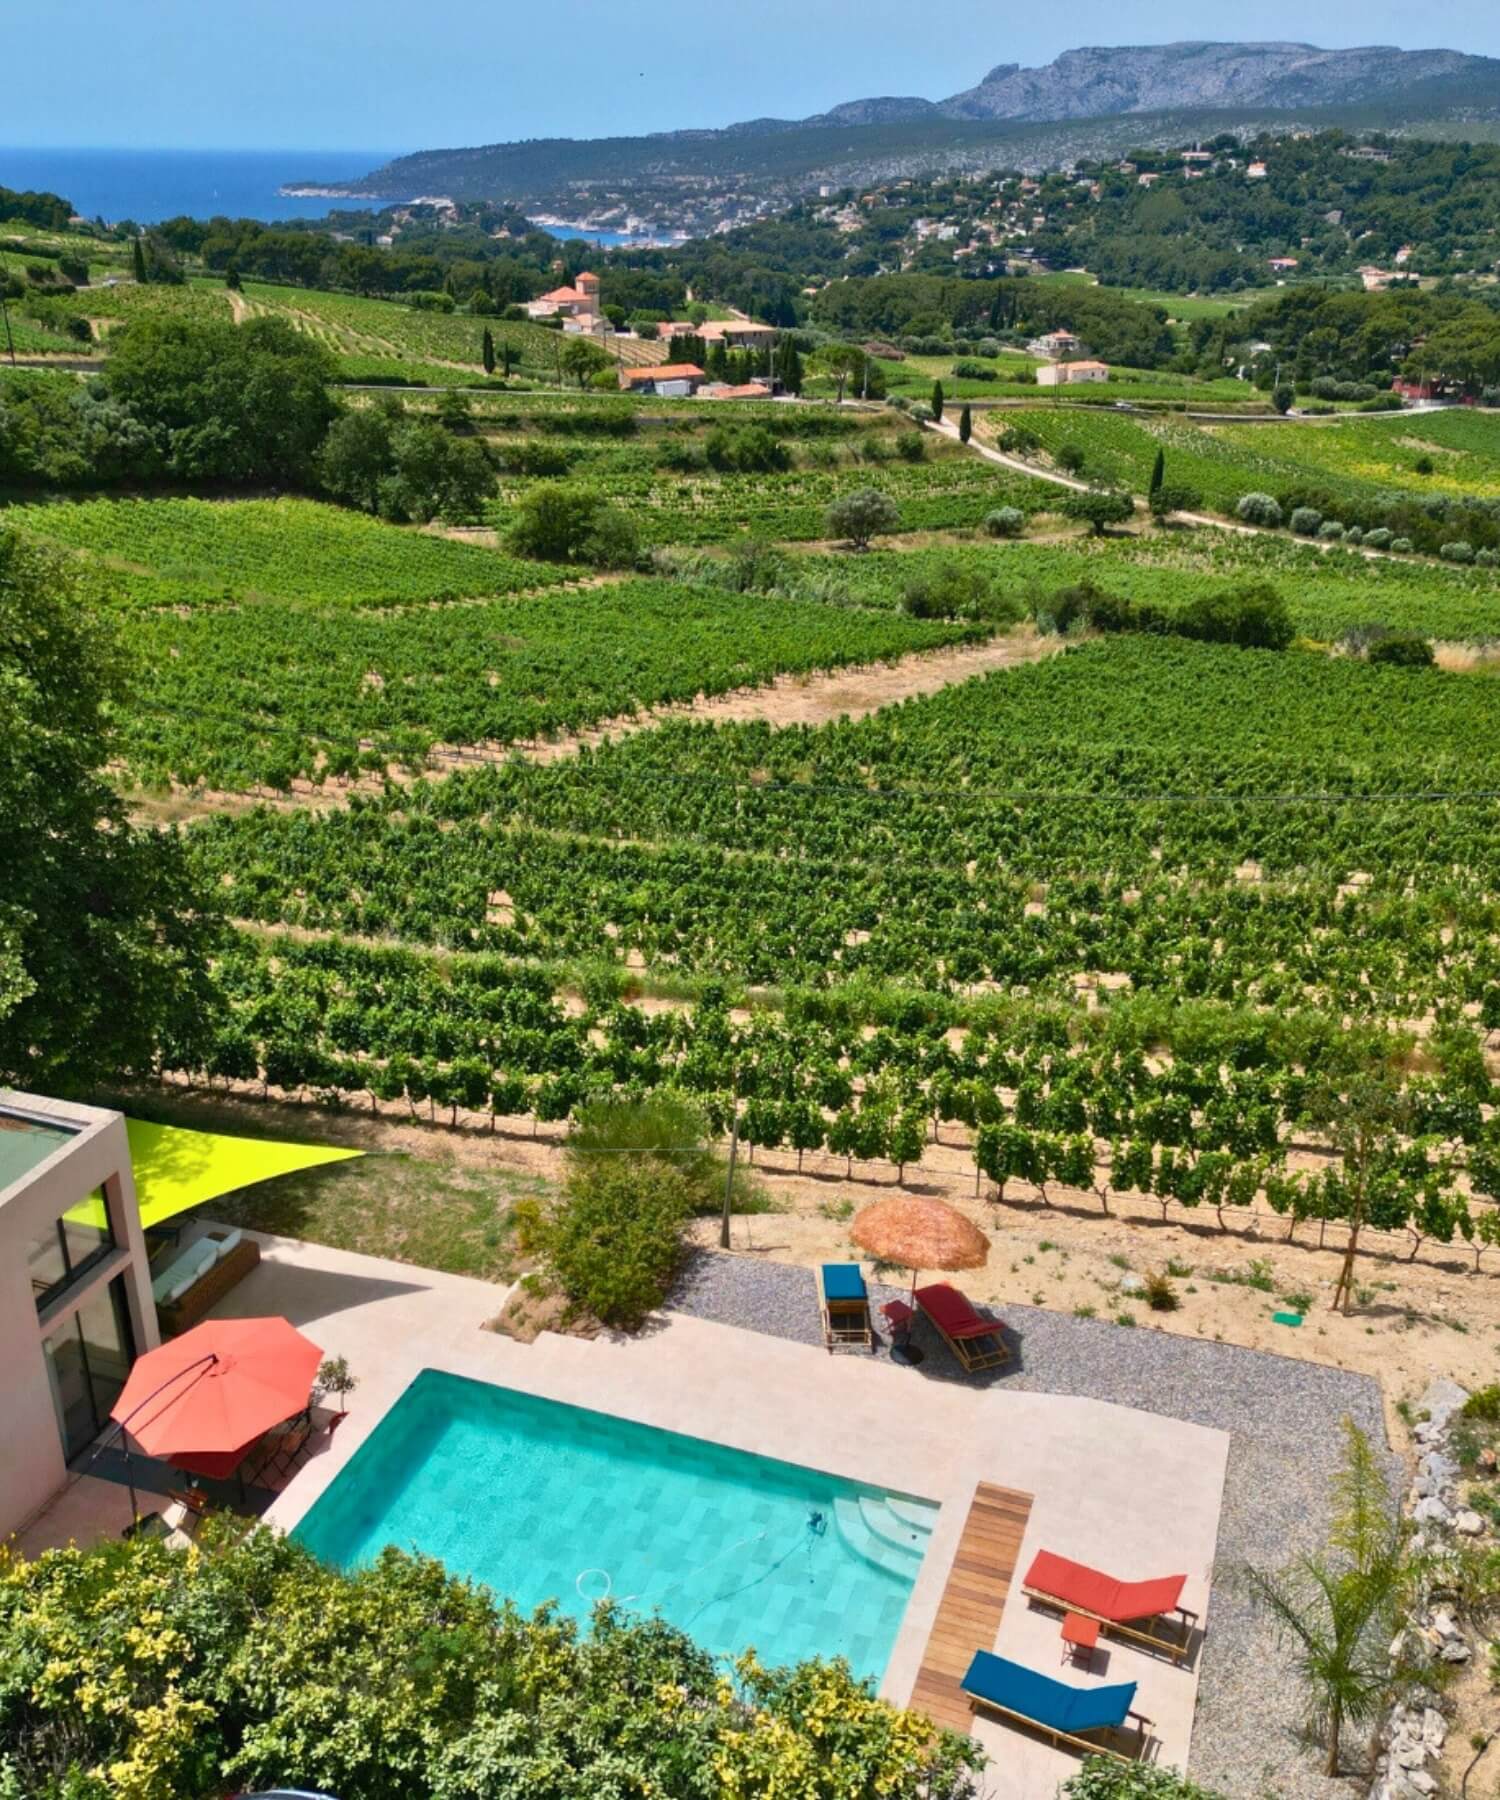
(906, 1352)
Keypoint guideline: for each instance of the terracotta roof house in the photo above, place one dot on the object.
(666, 380)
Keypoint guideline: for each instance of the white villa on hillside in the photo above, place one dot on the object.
(1069, 374)
(578, 305)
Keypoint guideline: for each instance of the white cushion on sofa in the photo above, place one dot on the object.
(223, 1245)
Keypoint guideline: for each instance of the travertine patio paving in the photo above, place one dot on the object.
(1136, 1493)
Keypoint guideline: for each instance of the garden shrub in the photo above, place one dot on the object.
(1019, 440)
(1354, 535)
(1457, 551)
(1106, 1778)
(974, 371)
(221, 1669)
(1487, 559)
(1331, 531)
(612, 1241)
(1259, 509)
(1305, 521)
(1005, 522)
(955, 590)
(1379, 538)
(1401, 546)
(1402, 650)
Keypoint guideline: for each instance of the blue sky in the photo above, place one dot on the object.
(336, 73)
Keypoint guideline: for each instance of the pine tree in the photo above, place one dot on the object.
(965, 426)
(487, 351)
(138, 261)
(1158, 472)
(937, 401)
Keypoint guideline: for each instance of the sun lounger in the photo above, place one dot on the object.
(1146, 1612)
(1095, 1720)
(975, 1342)
(845, 1305)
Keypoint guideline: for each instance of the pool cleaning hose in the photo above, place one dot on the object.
(813, 1527)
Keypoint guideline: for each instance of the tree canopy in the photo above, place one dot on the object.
(103, 944)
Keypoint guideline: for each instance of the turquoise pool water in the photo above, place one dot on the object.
(542, 1501)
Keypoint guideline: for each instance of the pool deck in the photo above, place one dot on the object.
(1128, 1491)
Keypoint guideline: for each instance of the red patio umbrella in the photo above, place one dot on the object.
(210, 1393)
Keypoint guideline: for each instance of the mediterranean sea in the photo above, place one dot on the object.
(151, 185)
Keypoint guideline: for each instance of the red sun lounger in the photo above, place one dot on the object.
(1147, 1612)
(975, 1341)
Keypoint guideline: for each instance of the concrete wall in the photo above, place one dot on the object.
(32, 1468)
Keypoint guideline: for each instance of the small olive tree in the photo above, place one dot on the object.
(862, 515)
(1098, 508)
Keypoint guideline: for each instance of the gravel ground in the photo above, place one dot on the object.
(1283, 1416)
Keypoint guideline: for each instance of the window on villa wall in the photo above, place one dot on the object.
(69, 1248)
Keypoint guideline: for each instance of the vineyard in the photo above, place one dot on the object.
(1328, 591)
(1362, 459)
(967, 839)
(189, 552)
(248, 695)
(384, 334)
(947, 493)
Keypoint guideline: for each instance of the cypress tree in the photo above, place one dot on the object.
(937, 400)
(232, 278)
(487, 351)
(1158, 472)
(789, 367)
(138, 261)
(965, 426)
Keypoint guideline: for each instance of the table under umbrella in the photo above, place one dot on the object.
(917, 1233)
(203, 1399)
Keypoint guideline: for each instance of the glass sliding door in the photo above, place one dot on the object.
(88, 1358)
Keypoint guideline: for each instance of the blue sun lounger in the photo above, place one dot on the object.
(1068, 1715)
(845, 1304)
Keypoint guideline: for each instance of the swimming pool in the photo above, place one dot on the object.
(542, 1501)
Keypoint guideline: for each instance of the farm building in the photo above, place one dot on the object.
(667, 381)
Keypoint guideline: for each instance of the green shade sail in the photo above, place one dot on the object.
(176, 1169)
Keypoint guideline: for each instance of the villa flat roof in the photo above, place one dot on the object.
(26, 1141)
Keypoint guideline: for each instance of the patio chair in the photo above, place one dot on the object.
(1148, 1613)
(845, 1305)
(1098, 1721)
(974, 1341)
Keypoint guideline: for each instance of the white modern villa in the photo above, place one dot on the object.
(75, 1295)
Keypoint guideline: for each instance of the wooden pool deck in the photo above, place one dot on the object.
(968, 1615)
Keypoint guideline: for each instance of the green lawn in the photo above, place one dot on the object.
(435, 1210)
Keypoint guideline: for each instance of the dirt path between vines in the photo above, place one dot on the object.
(786, 700)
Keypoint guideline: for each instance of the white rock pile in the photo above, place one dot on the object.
(1414, 1734)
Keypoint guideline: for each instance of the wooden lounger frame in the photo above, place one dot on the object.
(1176, 1638)
(1089, 1746)
(846, 1322)
(968, 1358)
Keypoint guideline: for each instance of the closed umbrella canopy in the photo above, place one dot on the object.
(216, 1388)
(917, 1233)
